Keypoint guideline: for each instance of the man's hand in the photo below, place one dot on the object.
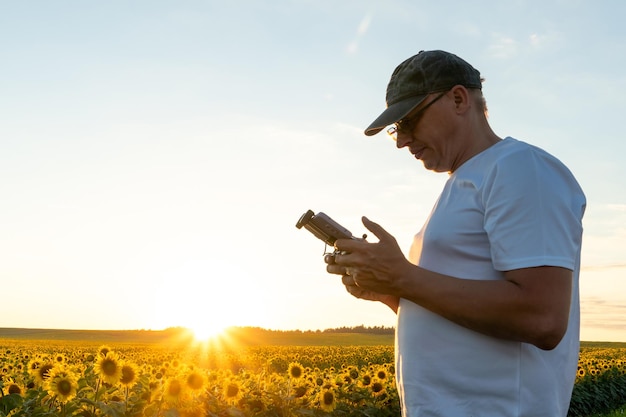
(370, 271)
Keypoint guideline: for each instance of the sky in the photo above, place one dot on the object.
(156, 155)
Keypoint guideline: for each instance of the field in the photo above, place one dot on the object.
(247, 372)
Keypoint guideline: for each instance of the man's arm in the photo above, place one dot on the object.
(530, 305)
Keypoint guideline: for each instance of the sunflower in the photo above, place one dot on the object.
(129, 374)
(174, 390)
(327, 399)
(296, 371)
(353, 372)
(12, 387)
(381, 373)
(39, 369)
(232, 391)
(300, 391)
(59, 358)
(195, 381)
(153, 392)
(377, 387)
(103, 350)
(109, 368)
(34, 364)
(62, 384)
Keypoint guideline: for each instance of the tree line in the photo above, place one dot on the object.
(345, 329)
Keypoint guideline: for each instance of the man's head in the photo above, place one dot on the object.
(417, 77)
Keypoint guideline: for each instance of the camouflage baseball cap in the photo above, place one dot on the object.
(422, 74)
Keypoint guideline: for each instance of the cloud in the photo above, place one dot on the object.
(535, 39)
(545, 40)
(362, 29)
(364, 25)
(600, 313)
(607, 267)
(503, 47)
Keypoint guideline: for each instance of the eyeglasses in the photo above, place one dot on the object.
(408, 123)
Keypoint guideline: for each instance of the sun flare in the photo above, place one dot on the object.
(207, 297)
(203, 332)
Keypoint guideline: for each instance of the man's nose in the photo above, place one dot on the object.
(403, 139)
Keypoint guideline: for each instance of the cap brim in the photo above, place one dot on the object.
(394, 113)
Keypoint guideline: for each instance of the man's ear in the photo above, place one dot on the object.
(461, 98)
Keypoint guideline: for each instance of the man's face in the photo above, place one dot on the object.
(427, 137)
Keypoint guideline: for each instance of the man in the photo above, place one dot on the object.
(487, 304)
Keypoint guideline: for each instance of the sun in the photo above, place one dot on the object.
(207, 297)
(205, 331)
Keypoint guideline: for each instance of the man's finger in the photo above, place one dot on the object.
(375, 228)
(348, 280)
(336, 269)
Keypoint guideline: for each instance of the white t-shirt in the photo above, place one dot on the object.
(511, 206)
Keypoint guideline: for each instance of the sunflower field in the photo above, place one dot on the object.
(47, 378)
(60, 379)
(600, 382)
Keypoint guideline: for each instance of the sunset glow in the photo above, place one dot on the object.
(155, 157)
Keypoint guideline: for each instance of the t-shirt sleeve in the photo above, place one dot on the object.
(533, 212)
